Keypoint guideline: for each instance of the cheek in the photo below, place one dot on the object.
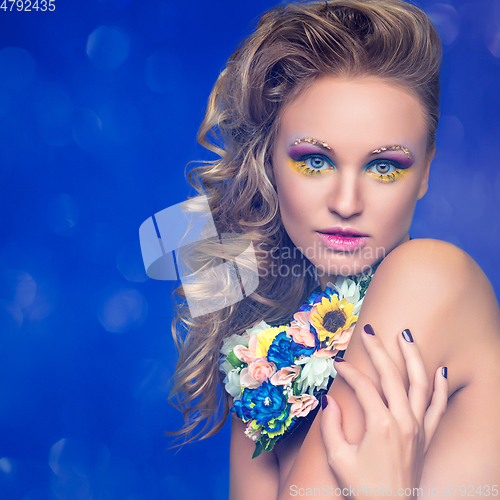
(396, 213)
(292, 207)
(292, 198)
(297, 207)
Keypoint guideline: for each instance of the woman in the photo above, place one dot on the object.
(325, 122)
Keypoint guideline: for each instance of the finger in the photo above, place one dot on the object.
(366, 392)
(419, 383)
(390, 377)
(438, 404)
(333, 435)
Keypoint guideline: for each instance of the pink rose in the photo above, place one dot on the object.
(341, 340)
(302, 405)
(256, 372)
(244, 354)
(246, 380)
(286, 375)
(326, 353)
(252, 343)
(299, 329)
(338, 343)
(261, 369)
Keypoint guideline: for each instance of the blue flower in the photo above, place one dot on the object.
(266, 408)
(307, 305)
(266, 404)
(317, 297)
(299, 349)
(270, 405)
(242, 407)
(280, 351)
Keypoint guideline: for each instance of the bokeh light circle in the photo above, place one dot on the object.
(108, 47)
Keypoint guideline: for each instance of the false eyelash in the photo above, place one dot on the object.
(394, 176)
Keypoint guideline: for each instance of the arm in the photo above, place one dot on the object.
(443, 297)
(250, 478)
(391, 454)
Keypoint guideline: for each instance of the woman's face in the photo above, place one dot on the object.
(350, 162)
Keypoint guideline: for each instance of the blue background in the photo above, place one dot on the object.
(100, 101)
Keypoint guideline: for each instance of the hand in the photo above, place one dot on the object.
(392, 451)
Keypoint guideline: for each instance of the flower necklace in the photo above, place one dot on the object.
(276, 374)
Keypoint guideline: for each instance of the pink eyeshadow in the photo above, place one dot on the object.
(297, 152)
(397, 156)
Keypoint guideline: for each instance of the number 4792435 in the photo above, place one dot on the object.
(28, 5)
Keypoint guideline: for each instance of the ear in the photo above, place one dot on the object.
(425, 179)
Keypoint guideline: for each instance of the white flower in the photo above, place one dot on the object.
(232, 383)
(229, 343)
(225, 367)
(349, 290)
(316, 373)
(258, 328)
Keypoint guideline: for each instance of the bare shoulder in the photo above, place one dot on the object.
(432, 275)
(440, 293)
(457, 324)
(435, 265)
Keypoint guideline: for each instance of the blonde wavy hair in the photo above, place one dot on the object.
(293, 45)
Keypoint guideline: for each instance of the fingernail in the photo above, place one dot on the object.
(338, 359)
(407, 336)
(444, 371)
(324, 401)
(369, 329)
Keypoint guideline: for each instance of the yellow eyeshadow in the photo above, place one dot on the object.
(396, 175)
(302, 168)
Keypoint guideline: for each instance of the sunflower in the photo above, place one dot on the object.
(331, 317)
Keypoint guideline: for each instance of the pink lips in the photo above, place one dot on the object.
(342, 240)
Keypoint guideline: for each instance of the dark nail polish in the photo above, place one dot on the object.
(369, 329)
(407, 336)
(444, 371)
(324, 401)
(338, 359)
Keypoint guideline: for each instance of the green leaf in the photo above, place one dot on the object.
(269, 445)
(234, 361)
(296, 391)
(258, 450)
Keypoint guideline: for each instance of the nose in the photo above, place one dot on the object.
(345, 198)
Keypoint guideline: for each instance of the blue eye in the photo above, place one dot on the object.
(382, 167)
(386, 170)
(317, 162)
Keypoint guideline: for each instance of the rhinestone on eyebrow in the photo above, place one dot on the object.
(406, 151)
(312, 141)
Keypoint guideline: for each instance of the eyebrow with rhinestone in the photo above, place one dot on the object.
(404, 149)
(312, 141)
